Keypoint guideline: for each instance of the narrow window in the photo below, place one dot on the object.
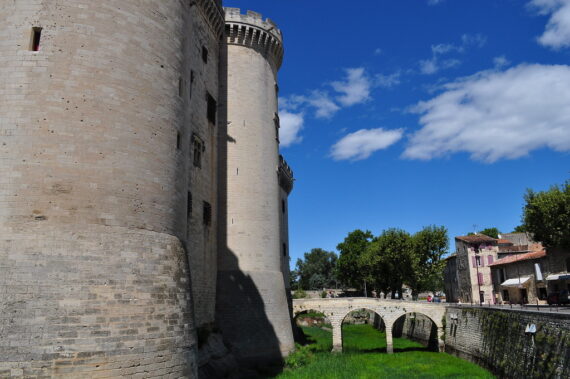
(506, 295)
(212, 108)
(178, 141)
(478, 261)
(180, 87)
(204, 54)
(191, 84)
(197, 147)
(207, 215)
(283, 206)
(189, 204)
(36, 37)
(284, 249)
(277, 125)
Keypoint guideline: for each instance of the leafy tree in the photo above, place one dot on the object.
(520, 229)
(388, 260)
(546, 215)
(491, 232)
(317, 269)
(428, 247)
(348, 266)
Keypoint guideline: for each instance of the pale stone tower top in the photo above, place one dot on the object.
(251, 30)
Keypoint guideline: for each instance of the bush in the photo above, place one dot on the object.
(300, 357)
(299, 294)
(324, 294)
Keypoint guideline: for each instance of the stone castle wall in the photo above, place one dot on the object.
(94, 150)
(496, 339)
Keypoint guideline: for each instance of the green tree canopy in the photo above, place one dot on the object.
(491, 232)
(348, 266)
(316, 270)
(429, 246)
(546, 215)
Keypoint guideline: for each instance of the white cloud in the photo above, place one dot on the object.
(362, 143)
(291, 125)
(496, 115)
(378, 51)
(324, 106)
(436, 63)
(387, 81)
(501, 61)
(354, 89)
(557, 32)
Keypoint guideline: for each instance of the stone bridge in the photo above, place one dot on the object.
(389, 310)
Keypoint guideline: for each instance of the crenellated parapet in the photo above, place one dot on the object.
(251, 30)
(286, 178)
(214, 15)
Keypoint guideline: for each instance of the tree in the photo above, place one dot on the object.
(428, 247)
(388, 260)
(546, 215)
(520, 229)
(491, 232)
(317, 269)
(348, 266)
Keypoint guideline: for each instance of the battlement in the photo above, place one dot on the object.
(286, 178)
(251, 30)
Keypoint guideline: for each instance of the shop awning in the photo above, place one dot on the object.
(515, 281)
(563, 276)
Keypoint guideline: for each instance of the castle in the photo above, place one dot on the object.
(143, 200)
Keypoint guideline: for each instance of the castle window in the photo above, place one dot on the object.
(204, 54)
(36, 37)
(178, 141)
(198, 148)
(212, 108)
(283, 206)
(284, 249)
(191, 83)
(189, 204)
(207, 214)
(181, 85)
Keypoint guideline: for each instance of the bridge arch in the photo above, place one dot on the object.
(373, 317)
(419, 327)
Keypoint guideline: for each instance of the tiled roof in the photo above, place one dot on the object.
(476, 238)
(503, 241)
(519, 257)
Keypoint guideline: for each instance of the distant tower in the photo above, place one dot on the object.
(252, 308)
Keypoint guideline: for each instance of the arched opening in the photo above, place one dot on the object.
(415, 331)
(363, 330)
(313, 328)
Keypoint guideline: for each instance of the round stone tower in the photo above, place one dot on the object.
(252, 309)
(94, 275)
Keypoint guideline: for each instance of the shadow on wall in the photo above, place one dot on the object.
(417, 327)
(241, 313)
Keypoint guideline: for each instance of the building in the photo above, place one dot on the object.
(450, 279)
(143, 198)
(474, 255)
(529, 277)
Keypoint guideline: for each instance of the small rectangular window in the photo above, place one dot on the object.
(191, 84)
(207, 215)
(284, 249)
(212, 109)
(277, 126)
(283, 206)
(204, 54)
(198, 148)
(36, 37)
(189, 204)
(181, 86)
(505, 295)
(178, 141)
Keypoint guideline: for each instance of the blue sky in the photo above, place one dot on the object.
(411, 113)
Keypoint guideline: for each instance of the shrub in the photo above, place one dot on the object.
(299, 294)
(324, 294)
(300, 357)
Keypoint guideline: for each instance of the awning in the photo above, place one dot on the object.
(515, 281)
(563, 276)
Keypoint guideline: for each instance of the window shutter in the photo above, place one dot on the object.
(490, 259)
(474, 262)
(480, 278)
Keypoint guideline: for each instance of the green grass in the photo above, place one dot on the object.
(365, 359)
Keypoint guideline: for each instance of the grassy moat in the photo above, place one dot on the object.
(364, 357)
